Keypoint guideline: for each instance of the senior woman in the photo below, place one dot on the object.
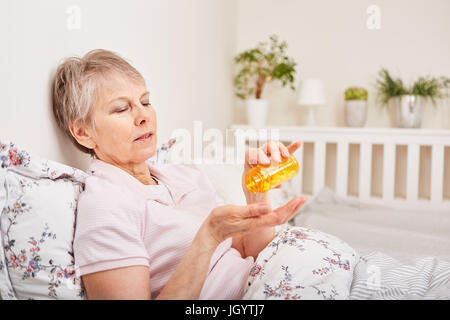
(152, 231)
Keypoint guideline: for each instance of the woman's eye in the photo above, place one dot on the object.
(127, 107)
(122, 110)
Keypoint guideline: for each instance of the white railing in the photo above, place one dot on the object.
(366, 138)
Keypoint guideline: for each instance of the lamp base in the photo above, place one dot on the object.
(311, 117)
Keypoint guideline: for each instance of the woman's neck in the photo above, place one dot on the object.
(140, 171)
(144, 176)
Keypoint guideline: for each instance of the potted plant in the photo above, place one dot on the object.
(409, 102)
(356, 106)
(258, 66)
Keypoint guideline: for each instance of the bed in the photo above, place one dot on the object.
(386, 192)
(400, 230)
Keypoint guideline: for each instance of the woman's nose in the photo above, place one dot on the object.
(142, 114)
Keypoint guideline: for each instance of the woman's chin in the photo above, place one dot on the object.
(146, 154)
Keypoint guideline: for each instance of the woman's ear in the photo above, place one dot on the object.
(82, 134)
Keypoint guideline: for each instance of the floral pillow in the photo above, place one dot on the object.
(38, 200)
(302, 264)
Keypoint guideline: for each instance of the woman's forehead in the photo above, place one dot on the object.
(118, 86)
(114, 82)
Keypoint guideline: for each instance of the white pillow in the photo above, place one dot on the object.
(303, 264)
(38, 201)
(226, 179)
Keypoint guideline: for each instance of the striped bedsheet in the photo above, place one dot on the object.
(378, 276)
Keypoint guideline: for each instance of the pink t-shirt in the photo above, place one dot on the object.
(122, 222)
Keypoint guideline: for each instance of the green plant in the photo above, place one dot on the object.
(356, 93)
(428, 87)
(388, 87)
(258, 66)
(432, 88)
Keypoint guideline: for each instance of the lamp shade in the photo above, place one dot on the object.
(311, 93)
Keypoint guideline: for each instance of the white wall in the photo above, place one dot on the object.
(183, 48)
(330, 40)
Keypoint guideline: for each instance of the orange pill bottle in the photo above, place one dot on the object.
(264, 177)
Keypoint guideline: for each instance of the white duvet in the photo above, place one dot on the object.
(379, 276)
(403, 254)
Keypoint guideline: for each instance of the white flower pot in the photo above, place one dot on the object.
(356, 112)
(257, 112)
(409, 111)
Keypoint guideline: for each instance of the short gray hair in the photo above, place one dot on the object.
(77, 84)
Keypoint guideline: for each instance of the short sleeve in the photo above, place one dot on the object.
(108, 232)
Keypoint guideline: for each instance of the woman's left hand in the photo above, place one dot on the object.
(270, 151)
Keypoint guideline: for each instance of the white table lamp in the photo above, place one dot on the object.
(311, 95)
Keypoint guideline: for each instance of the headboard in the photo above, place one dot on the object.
(404, 168)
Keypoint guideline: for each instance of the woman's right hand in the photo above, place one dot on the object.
(230, 220)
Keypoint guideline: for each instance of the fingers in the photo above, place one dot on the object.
(254, 210)
(294, 146)
(276, 150)
(270, 151)
(255, 156)
(291, 208)
(280, 215)
(284, 150)
(226, 221)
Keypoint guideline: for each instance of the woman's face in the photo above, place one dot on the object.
(122, 115)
